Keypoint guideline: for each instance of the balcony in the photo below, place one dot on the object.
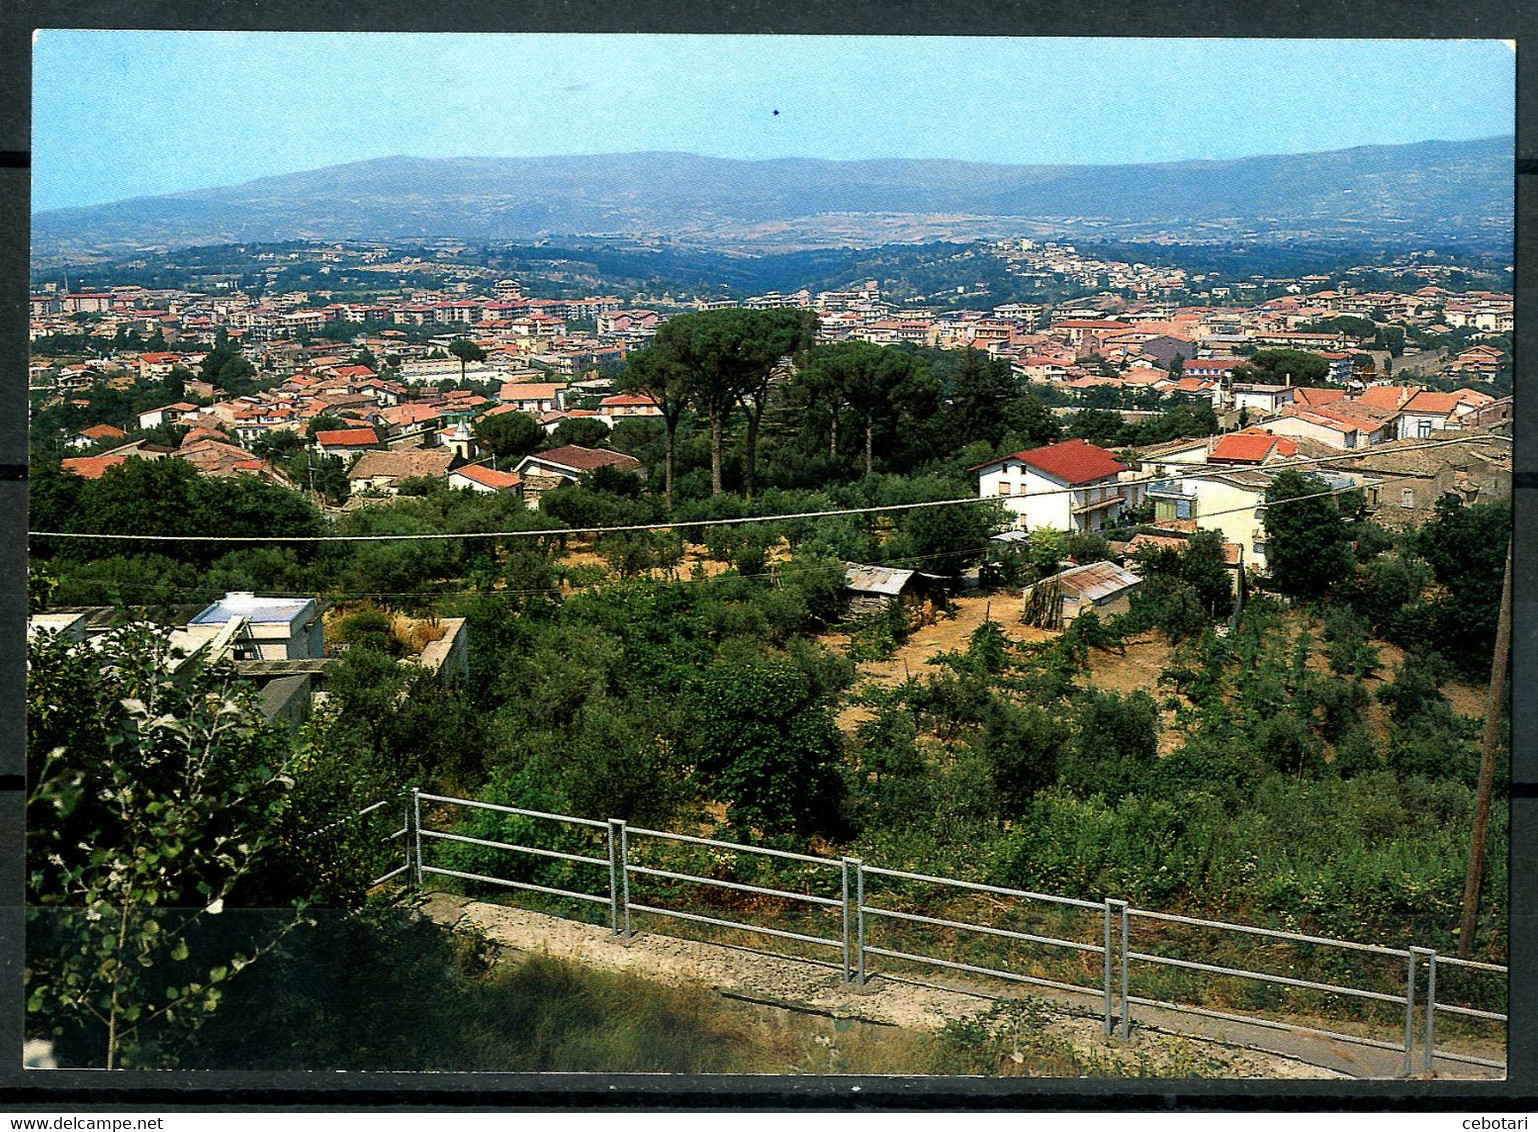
(1087, 508)
(1167, 489)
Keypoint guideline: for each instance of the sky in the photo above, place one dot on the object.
(119, 114)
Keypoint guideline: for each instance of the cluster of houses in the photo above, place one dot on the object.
(1133, 341)
(1419, 448)
(278, 644)
(386, 431)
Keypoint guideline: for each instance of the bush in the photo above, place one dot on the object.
(369, 629)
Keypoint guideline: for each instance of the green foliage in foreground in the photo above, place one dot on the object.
(353, 980)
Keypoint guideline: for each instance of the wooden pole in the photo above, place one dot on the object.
(1492, 736)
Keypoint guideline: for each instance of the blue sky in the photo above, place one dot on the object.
(123, 114)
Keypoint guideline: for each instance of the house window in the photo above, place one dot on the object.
(1006, 488)
(1407, 497)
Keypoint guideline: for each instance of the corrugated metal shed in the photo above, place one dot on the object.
(1095, 581)
(875, 579)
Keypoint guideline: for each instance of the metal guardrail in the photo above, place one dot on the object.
(855, 912)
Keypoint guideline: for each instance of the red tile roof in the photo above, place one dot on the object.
(1072, 461)
(1427, 402)
(1385, 396)
(99, 431)
(346, 437)
(91, 467)
(586, 459)
(1250, 447)
(490, 477)
(1305, 395)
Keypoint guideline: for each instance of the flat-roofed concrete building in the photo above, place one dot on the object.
(276, 628)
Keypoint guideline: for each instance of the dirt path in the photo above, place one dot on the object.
(949, 634)
(804, 985)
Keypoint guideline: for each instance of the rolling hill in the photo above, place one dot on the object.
(1444, 191)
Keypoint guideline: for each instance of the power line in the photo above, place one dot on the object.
(558, 532)
(345, 595)
(775, 574)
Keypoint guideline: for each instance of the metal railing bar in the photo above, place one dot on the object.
(366, 810)
(975, 887)
(1472, 964)
(855, 909)
(1466, 1059)
(1077, 988)
(692, 840)
(363, 813)
(513, 848)
(1469, 1011)
(823, 900)
(1266, 1023)
(515, 884)
(1170, 917)
(917, 919)
(736, 925)
(589, 822)
(1283, 980)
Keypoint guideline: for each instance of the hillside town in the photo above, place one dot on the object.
(643, 555)
(397, 386)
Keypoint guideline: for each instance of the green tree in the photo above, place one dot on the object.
(1291, 367)
(326, 422)
(769, 340)
(1465, 546)
(1308, 538)
(466, 351)
(765, 743)
(1028, 423)
(660, 371)
(879, 384)
(723, 360)
(585, 432)
(155, 800)
(980, 388)
(1200, 565)
(509, 436)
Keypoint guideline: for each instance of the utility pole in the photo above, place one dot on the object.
(1493, 710)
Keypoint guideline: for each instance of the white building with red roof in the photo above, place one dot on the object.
(478, 477)
(628, 405)
(1251, 447)
(89, 436)
(1071, 486)
(345, 441)
(545, 471)
(1429, 412)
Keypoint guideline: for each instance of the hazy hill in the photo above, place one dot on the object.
(1442, 190)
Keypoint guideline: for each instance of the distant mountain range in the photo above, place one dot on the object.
(1428, 191)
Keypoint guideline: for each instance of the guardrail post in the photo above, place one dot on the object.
(1107, 956)
(844, 864)
(615, 825)
(416, 828)
(1427, 1062)
(624, 876)
(859, 922)
(405, 801)
(1409, 1011)
(1126, 1011)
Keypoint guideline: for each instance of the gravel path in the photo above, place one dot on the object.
(814, 987)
